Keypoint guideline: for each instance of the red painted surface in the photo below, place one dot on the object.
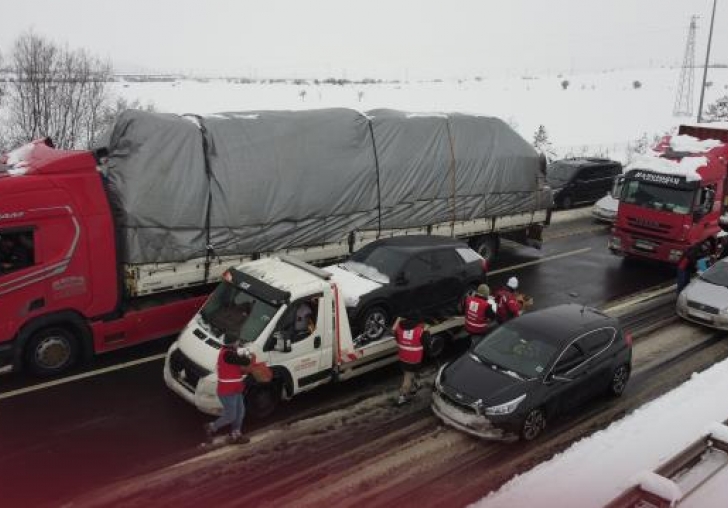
(61, 199)
(677, 231)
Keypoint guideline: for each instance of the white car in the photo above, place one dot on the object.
(705, 299)
(606, 209)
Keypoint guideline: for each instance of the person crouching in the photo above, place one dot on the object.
(232, 366)
(410, 332)
(480, 312)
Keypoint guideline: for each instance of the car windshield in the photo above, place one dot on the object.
(238, 314)
(384, 261)
(717, 274)
(559, 174)
(657, 197)
(507, 348)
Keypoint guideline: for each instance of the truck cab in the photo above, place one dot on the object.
(672, 200)
(291, 315)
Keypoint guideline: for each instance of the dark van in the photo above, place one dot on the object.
(581, 179)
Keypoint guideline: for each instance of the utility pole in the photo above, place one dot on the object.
(684, 99)
(705, 68)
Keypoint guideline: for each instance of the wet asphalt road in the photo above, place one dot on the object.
(60, 441)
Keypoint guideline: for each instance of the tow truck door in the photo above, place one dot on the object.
(310, 359)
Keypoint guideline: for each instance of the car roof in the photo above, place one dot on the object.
(416, 242)
(560, 324)
(585, 161)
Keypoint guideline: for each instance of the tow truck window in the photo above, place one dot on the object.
(658, 197)
(236, 313)
(17, 250)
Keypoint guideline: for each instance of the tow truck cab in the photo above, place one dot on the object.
(258, 303)
(673, 200)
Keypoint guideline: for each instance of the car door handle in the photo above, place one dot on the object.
(317, 342)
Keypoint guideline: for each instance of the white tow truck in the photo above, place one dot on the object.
(292, 315)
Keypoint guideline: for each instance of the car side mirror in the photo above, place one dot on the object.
(282, 341)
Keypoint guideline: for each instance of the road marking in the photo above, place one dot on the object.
(160, 356)
(539, 261)
(84, 375)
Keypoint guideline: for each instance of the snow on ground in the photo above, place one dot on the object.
(597, 469)
(598, 114)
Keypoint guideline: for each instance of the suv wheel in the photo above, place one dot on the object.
(374, 322)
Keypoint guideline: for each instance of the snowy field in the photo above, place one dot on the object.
(598, 114)
(597, 469)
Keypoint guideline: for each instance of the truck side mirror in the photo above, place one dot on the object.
(281, 341)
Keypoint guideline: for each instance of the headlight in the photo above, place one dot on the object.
(675, 254)
(615, 242)
(506, 408)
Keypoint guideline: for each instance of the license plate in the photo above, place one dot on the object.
(644, 245)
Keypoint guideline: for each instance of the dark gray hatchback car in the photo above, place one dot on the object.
(532, 369)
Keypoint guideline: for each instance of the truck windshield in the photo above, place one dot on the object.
(658, 197)
(233, 312)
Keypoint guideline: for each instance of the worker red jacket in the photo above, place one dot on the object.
(231, 371)
(479, 312)
(508, 306)
(410, 345)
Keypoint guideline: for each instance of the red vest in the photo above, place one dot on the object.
(508, 306)
(476, 321)
(410, 344)
(229, 376)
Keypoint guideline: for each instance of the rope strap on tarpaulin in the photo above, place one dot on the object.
(376, 164)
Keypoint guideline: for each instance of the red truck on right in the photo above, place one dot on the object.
(674, 197)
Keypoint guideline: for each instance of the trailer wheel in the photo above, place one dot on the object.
(263, 399)
(51, 351)
(487, 246)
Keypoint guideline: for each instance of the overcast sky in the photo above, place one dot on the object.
(375, 38)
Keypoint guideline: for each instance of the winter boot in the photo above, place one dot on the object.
(403, 399)
(209, 430)
(237, 438)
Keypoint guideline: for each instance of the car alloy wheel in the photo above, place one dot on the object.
(533, 425)
(619, 380)
(375, 323)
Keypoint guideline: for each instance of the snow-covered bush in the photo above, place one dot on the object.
(718, 111)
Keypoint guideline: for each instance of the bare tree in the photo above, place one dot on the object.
(57, 92)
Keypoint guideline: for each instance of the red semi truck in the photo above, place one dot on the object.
(61, 288)
(673, 199)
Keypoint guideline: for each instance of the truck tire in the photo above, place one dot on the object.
(374, 322)
(487, 246)
(262, 399)
(51, 351)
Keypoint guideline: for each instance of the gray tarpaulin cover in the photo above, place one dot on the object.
(266, 180)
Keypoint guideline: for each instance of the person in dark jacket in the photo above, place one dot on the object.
(13, 254)
(686, 267)
(233, 364)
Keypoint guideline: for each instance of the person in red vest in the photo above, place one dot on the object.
(233, 364)
(480, 312)
(507, 302)
(411, 333)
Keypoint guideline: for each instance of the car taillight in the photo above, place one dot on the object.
(628, 339)
(227, 276)
(485, 265)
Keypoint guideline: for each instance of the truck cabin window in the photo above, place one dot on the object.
(658, 197)
(17, 250)
(237, 314)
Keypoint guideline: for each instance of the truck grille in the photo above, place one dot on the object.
(648, 225)
(703, 307)
(185, 370)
